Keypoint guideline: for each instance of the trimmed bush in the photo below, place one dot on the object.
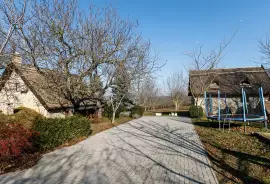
(137, 111)
(24, 116)
(57, 131)
(4, 119)
(15, 140)
(195, 112)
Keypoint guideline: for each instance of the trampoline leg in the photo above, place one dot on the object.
(265, 124)
(245, 127)
(219, 124)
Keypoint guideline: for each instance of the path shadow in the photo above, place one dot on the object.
(167, 140)
(178, 139)
(140, 151)
(244, 160)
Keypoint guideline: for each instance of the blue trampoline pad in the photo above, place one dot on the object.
(238, 117)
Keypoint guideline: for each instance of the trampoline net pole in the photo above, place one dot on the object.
(219, 108)
(243, 106)
(263, 106)
(245, 98)
(211, 108)
(205, 103)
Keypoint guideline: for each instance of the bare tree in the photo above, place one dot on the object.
(264, 46)
(148, 95)
(201, 61)
(82, 50)
(12, 14)
(176, 84)
(120, 89)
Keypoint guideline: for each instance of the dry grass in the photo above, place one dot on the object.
(181, 108)
(21, 162)
(266, 134)
(105, 124)
(236, 157)
(148, 113)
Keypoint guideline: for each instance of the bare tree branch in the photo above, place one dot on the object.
(176, 84)
(206, 62)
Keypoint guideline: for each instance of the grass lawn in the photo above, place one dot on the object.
(236, 157)
(266, 134)
(104, 124)
(183, 111)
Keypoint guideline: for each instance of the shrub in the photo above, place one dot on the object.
(57, 131)
(4, 118)
(125, 114)
(137, 111)
(108, 111)
(195, 112)
(15, 139)
(24, 116)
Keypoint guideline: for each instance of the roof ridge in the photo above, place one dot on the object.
(249, 67)
(230, 70)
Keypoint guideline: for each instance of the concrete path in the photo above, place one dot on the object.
(147, 150)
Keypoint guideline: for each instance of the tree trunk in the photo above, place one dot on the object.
(99, 113)
(196, 101)
(113, 117)
(176, 105)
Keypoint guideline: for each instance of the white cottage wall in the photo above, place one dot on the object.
(235, 104)
(16, 94)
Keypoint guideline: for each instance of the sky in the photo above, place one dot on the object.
(177, 27)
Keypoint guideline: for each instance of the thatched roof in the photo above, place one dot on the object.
(229, 81)
(42, 84)
(5, 59)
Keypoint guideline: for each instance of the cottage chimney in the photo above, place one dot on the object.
(16, 58)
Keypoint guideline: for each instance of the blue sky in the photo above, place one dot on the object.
(176, 27)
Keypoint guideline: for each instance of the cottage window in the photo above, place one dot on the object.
(17, 86)
(214, 85)
(245, 83)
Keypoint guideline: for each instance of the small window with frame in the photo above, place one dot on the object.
(17, 86)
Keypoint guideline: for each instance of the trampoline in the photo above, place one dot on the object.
(247, 113)
(237, 117)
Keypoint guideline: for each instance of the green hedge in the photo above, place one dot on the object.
(56, 131)
(137, 110)
(195, 112)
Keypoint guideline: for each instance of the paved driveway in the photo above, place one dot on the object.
(146, 150)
